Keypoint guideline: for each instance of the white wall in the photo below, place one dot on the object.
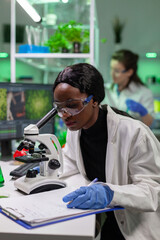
(141, 33)
(22, 18)
(4, 19)
(5, 13)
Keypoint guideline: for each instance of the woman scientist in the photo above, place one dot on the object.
(120, 151)
(127, 92)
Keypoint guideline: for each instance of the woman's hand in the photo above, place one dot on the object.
(136, 107)
(91, 197)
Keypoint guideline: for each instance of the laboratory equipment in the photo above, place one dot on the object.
(49, 157)
(22, 169)
(1, 177)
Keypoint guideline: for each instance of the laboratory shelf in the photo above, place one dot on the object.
(42, 64)
(52, 55)
(82, 8)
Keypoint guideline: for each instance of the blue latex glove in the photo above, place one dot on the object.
(136, 107)
(37, 168)
(91, 197)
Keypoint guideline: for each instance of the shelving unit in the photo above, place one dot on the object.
(20, 56)
(54, 55)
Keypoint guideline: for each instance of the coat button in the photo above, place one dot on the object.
(122, 222)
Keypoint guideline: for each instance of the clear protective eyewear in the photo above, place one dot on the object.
(118, 72)
(72, 106)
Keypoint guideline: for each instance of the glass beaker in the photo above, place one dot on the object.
(1, 178)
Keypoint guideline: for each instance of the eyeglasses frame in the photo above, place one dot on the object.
(85, 102)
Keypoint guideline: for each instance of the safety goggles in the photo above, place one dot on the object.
(118, 72)
(72, 106)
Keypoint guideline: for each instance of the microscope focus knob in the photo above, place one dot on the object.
(54, 164)
(31, 173)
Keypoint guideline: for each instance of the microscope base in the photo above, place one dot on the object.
(38, 184)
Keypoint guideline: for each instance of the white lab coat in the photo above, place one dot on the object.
(138, 93)
(132, 172)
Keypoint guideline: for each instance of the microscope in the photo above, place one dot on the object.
(48, 155)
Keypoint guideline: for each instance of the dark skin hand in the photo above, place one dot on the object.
(84, 119)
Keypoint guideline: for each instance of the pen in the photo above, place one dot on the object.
(94, 180)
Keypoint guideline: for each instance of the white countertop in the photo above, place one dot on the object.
(80, 228)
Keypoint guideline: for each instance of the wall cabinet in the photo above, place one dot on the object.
(78, 10)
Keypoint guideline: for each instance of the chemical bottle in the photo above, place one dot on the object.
(1, 178)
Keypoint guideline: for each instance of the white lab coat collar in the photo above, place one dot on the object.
(112, 125)
(79, 158)
(113, 121)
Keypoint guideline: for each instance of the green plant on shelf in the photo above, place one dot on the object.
(68, 34)
(85, 41)
(72, 31)
(57, 43)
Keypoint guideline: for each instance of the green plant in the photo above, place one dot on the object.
(66, 35)
(118, 27)
(57, 42)
(72, 31)
(103, 40)
(85, 41)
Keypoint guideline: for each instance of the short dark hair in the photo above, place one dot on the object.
(85, 77)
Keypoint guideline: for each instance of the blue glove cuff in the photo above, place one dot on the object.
(136, 107)
(109, 194)
(143, 111)
(90, 197)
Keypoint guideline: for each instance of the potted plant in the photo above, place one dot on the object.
(74, 33)
(68, 35)
(118, 27)
(85, 41)
(58, 43)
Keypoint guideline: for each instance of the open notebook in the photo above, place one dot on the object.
(43, 208)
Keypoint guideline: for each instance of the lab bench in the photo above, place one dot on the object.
(79, 229)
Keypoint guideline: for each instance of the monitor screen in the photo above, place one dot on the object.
(21, 105)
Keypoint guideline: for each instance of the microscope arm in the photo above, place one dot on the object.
(46, 118)
(33, 129)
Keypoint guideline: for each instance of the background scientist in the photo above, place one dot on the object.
(127, 92)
